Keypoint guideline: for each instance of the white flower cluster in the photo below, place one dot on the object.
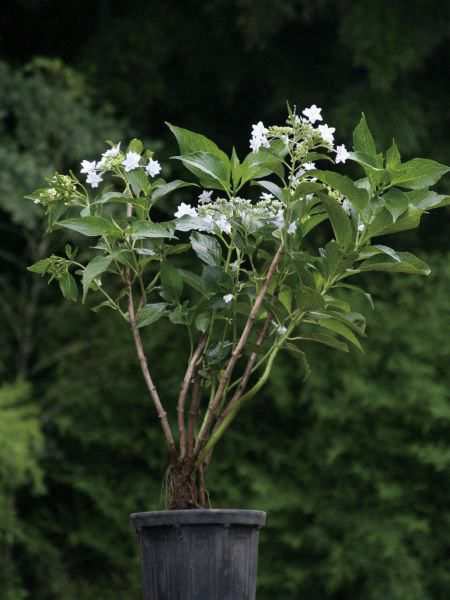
(95, 170)
(221, 215)
(259, 137)
(261, 134)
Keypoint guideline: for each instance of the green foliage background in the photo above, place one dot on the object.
(353, 464)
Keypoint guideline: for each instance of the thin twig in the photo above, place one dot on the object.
(247, 373)
(184, 391)
(214, 406)
(146, 373)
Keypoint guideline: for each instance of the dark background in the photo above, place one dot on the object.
(353, 463)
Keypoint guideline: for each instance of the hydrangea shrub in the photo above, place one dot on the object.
(260, 285)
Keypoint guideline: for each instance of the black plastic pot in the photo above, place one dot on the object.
(199, 554)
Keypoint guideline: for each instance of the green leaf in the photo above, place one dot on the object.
(370, 251)
(372, 166)
(271, 187)
(418, 173)
(309, 298)
(136, 146)
(207, 248)
(261, 164)
(368, 162)
(68, 287)
(168, 188)
(140, 230)
(362, 138)
(211, 170)
(236, 171)
(176, 249)
(179, 316)
(113, 197)
(396, 202)
(193, 280)
(216, 280)
(172, 282)
(150, 313)
(409, 220)
(383, 222)
(139, 181)
(408, 263)
(202, 322)
(393, 158)
(94, 268)
(90, 226)
(327, 340)
(341, 329)
(358, 197)
(427, 199)
(307, 187)
(312, 221)
(187, 223)
(190, 142)
(342, 226)
(355, 288)
(285, 298)
(41, 266)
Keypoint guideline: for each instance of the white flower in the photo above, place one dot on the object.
(259, 137)
(131, 161)
(313, 113)
(281, 329)
(327, 133)
(278, 221)
(93, 179)
(228, 298)
(294, 179)
(205, 197)
(186, 209)
(267, 196)
(224, 224)
(361, 227)
(309, 166)
(207, 223)
(292, 229)
(153, 167)
(347, 206)
(88, 166)
(108, 156)
(112, 152)
(342, 154)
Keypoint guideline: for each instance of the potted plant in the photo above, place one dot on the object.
(259, 286)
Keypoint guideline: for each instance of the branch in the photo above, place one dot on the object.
(193, 414)
(246, 376)
(214, 406)
(184, 391)
(162, 415)
(231, 411)
(224, 424)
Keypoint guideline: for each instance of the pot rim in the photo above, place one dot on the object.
(199, 516)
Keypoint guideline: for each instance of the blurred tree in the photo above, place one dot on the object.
(48, 122)
(20, 450)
